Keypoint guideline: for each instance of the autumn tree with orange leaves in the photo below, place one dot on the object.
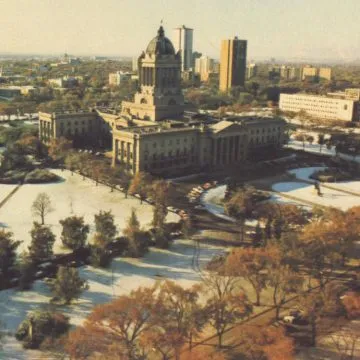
(120, 322)
(260, 343)
(251, 264)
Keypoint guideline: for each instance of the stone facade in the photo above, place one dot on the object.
(162, 148)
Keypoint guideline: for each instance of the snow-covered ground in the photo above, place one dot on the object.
(124, 275)
(211, 200)
(315, 149)
(305, 173)
(304, 191)
(72, 196)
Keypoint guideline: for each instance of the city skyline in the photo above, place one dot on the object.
(275, 29)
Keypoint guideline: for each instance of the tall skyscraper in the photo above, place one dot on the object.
(183, 42)
(232, 63)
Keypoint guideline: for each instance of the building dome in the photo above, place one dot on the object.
(160, 45)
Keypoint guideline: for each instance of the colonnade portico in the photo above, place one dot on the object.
(45, 130)
(125, 152)
(228, 149)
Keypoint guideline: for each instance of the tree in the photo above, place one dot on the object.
(225, 311)
(105, 225)
(98, 170)
(120, 322)
(27, 270)
(39, 326)
(135, 236)
(258, 236)
(284, 281)
(8, 248)
(42, 241)
(140, 185)
(259, 343)
(74, 232)
(225, 304)
(351, 303)
(42, 206)
(316, 304)
(320, 243)
(59, 147)
(72, 161)
(179, 311)
(67, 285)
(278, 226)
(250, 264)
(321, 140)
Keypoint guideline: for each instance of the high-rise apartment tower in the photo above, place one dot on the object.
(232, 63)
(183, 42)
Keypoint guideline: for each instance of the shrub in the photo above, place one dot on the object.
(13, 177)
(41, 325)
(41, 176)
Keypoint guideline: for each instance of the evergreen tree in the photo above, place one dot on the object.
(137, 245)
(258, 236)
(74, 232)
(68, 285)
(8, 248)
(104, 225)
(27, 271)
(267, 231)
(42, 241)
(278, 228)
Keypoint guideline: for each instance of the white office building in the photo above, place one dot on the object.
(323, 107)
(183, 42)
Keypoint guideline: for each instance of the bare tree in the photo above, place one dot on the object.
(42, 206)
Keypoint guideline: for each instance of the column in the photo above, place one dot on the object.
(240, 148)
(214, 151)
(233, 155)
(224, 154)
(122, 152)
(128, 153)
(115, 152)
(134, 155)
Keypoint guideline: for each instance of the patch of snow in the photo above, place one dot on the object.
(304, 191)
(72, 196)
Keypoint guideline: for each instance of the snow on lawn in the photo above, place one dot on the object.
(124, 275)
(304, 191)
(72, 196)
(5, 190)
(211, 200)
(305, 173)
(315, 149)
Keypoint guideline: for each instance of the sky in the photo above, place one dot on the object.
(292, 29)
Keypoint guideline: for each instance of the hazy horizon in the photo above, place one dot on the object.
(325, 29)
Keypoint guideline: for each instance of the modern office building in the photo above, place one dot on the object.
(334, 106)
(232, 63)
(183, 42)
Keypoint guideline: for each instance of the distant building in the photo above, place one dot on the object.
(119, 77)
(83, 127)
(311, 73)
(325, 73)
(196, 55)
(232, 63)
(134, 64)
(335, 106)
(204, 66)
(66, 82)
(11, 92)
(183, 42)
(251, 71)
(290, 72)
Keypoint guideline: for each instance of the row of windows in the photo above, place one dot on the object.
(263, 130)
(170, 142)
